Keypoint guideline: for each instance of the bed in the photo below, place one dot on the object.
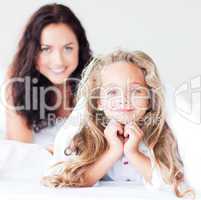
(26, 189)
(22, 165)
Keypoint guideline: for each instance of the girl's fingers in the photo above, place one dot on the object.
(121, 138)
(119, 127)
(134, 129)
(126, 134)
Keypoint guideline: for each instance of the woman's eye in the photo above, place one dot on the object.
(45, 49)
(68, 49)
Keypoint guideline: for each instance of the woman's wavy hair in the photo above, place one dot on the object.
(23, 64)
(90, 143)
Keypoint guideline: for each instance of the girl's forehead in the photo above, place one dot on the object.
(126, 86)
(122, 73)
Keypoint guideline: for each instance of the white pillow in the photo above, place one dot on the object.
(2, 108)
(22, 160)
(187, 129)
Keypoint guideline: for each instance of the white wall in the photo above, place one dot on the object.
(168, 30)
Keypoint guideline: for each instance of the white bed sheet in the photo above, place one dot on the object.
(107, 190)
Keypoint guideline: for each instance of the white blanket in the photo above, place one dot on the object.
(22, 166)
(28, 190)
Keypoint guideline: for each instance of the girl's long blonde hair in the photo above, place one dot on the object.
(90, 143)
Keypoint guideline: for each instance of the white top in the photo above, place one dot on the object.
(120, 171)
(47, 135)
(124, 171)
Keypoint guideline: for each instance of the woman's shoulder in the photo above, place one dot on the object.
(9, 73)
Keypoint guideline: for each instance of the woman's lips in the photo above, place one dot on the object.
(58, 70)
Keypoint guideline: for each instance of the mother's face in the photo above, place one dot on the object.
(59, 53)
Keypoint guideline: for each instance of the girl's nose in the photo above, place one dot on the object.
(124, 102)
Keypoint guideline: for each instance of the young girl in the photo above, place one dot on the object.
(118, 129)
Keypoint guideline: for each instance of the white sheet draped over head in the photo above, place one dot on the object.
(71, 127)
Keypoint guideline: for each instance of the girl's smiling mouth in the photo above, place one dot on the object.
(124, 110)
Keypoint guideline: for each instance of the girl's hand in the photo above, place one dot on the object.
(114, 135)
(134, 136)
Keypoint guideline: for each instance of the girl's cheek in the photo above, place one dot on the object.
(106, 104)
(114, 105)
(141, 104)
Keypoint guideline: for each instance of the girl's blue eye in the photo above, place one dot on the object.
(137, 91)
(112, 92)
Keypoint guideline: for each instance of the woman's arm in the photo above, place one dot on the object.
(16, 127)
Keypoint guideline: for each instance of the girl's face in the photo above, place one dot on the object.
(59, 53)
(123, 95)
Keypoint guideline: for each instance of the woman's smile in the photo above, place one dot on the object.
(58, 70)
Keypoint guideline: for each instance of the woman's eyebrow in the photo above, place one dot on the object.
(68, 44)
(48, 45)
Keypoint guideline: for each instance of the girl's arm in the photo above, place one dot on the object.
(131, 149)
(97, 170)
(141, 163)
(64, 138)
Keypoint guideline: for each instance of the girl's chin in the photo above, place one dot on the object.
(124, 120)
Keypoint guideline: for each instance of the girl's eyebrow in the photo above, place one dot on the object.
(136, 83)
(110, 85)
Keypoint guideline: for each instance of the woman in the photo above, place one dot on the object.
(53, 48)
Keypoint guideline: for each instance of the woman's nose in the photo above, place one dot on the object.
(58, 58)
